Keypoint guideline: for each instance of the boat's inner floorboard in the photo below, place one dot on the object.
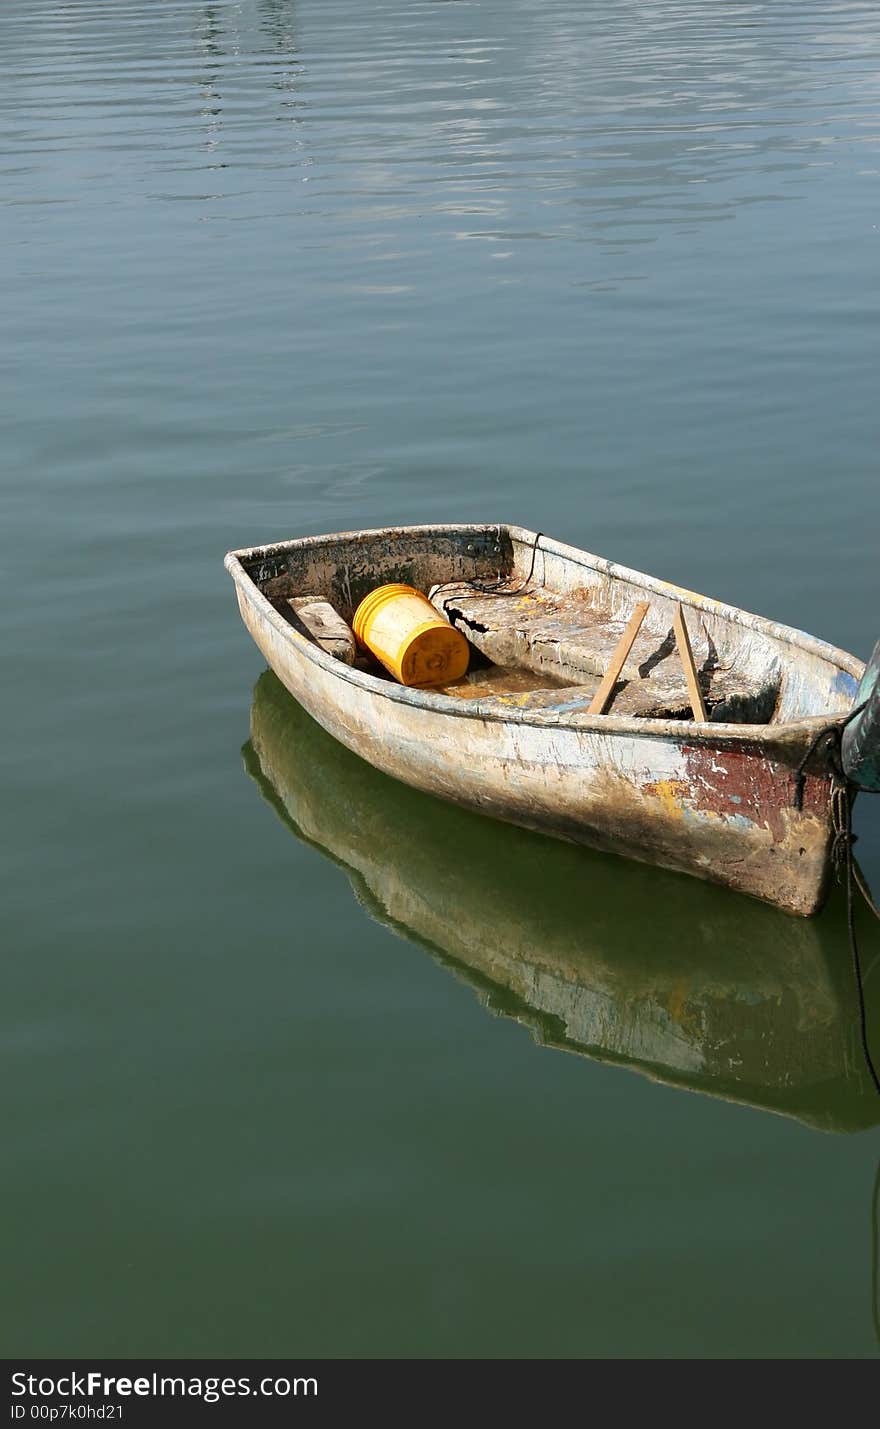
(566, 643)
(546, 650)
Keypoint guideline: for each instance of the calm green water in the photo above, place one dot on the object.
(606, 269)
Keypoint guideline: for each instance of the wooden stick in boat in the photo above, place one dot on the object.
(602, 697)
(682, 640)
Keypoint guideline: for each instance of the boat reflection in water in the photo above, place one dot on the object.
(682, 981)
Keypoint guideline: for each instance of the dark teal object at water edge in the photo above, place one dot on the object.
(860, 749)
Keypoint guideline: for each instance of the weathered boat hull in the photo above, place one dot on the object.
(721, 802)
(718, 995)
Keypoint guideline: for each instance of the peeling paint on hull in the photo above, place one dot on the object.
(713, 800)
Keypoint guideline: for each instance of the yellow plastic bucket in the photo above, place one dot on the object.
(415, 644)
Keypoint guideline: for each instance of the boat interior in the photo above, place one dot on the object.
(548, 624)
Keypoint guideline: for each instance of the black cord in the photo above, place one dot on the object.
(832, 734)
(494, 587)
(842, 856)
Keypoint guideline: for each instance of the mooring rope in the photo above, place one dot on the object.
(842, 857)
(842, 795)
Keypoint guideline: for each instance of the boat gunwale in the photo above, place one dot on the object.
(576, 721)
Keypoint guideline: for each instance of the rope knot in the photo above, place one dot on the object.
(841, 849)
(828, 740)
(841, 824)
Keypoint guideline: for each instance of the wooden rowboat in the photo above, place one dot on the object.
(721, 996)
(728, 797)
